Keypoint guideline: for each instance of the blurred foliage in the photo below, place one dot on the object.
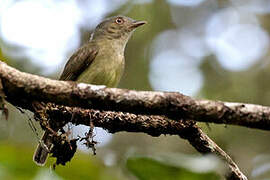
(16, 163)
(249, 86)
(244, 145)
(1, 56)
(21, 63)
(150, 169)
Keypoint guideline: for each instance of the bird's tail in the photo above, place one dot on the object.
(43, 149)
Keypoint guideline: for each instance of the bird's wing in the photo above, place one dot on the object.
(79, 61)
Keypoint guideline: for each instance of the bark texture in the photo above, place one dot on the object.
(154, 113)
(174, 105)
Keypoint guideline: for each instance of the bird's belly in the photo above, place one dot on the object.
(100, 76)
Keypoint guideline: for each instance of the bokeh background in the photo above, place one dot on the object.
(212, 49)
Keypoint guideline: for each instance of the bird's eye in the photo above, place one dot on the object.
(119, 21)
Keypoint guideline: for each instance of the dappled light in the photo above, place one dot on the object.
(206, 49)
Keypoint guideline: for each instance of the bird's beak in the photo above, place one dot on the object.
(136, 24)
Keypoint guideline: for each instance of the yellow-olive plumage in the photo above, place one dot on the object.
(100, 61)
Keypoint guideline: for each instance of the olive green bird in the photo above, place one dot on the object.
(100, 61)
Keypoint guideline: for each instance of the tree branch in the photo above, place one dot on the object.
(152, 125)
(171, 104)
(148, 111)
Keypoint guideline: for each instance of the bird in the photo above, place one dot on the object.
(100, 61)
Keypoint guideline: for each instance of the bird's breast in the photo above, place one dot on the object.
(106, 69)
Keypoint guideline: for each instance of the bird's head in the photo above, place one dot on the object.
(116, 28)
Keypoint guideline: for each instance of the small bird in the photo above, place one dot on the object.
(100, 62)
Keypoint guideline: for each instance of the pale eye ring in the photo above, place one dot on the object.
(119, 21)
